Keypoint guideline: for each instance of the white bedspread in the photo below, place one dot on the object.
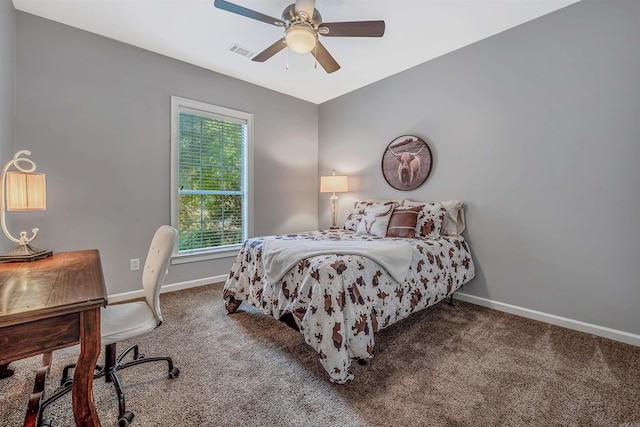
(279, 256)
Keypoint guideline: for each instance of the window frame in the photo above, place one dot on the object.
(179, 104)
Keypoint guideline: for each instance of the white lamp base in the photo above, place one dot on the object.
(333, 200)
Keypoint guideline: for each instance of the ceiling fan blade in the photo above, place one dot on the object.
(306, 6)
(324, 58)
(270, 51)
(352, 29)
(239, 10)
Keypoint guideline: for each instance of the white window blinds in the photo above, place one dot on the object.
(211, 181)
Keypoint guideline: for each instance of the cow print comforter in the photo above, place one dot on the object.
(338, 302)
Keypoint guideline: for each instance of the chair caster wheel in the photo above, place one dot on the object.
(173, 373)
(125, 419)
(66, 382)
(46, 423)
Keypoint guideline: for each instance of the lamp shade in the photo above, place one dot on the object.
(26, 191)
(333, 184)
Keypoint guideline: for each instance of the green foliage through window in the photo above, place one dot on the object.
(211, 181)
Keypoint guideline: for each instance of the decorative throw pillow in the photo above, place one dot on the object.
(375, 219)
(403, 222)
(430, 218)
(353, 220)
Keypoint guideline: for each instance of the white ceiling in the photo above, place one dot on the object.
(196, 32)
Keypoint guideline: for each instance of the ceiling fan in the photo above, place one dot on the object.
(302, 23)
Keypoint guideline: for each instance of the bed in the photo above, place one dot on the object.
(340, 287)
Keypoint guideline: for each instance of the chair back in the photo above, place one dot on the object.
(156, 266)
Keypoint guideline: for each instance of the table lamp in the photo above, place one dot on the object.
(334, 184)
(22, 190)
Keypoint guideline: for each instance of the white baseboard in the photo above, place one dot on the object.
(126, 296)
(577, 325)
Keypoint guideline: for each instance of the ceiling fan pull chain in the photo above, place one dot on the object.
(287, 65)
(315, 56)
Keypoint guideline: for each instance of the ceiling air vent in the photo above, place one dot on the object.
(242, 51)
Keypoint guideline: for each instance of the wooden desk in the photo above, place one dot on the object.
(54, 303)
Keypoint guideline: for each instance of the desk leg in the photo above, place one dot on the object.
(84, 410)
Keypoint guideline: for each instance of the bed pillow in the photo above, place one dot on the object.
(375, 218)
(454, 220)
(430, 218)
(403, 221)
(353, 219)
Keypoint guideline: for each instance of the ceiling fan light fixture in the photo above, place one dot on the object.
(302, 23)
(301, 38)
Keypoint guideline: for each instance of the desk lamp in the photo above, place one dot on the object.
(22, 190)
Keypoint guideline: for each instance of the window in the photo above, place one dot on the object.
(209, 178)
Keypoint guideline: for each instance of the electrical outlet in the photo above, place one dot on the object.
(134, 264)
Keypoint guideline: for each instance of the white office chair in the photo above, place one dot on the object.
(123, 321)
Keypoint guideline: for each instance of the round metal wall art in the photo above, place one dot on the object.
(406, 162)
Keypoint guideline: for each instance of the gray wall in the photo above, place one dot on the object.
(537, 129)
(95, 114)
(7, 93)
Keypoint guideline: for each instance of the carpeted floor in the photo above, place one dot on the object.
(445, 366)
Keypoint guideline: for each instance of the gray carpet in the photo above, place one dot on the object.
(445, 366)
